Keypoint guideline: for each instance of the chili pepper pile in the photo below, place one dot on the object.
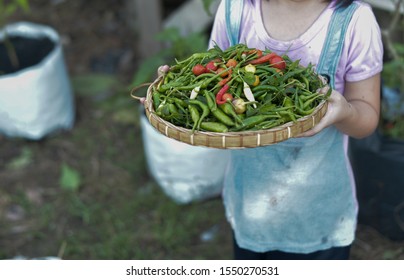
(236, 89)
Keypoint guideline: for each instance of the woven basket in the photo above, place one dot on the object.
(232, 140)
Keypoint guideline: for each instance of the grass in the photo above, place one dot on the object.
(107, 206)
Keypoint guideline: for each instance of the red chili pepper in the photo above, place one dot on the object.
(258, 52)
(231, 63)
(198, 69)
(220, 102)
(278, 62)
(219, 95)
(227, 96)
(224, 71)
(224, 81)
(263, 59)
(213, 64)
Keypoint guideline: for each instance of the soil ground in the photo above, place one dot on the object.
(118, 211)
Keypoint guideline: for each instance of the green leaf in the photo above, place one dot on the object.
(70, 178)
(21, 161)
(10, 9)
(127, 116)
(249, 78)
(93, 84)
(186, 46)
(24, 4)
(170, 34)
(391, 254)
(147, 70)
(179, 47)
(206, 6)
(399, 48)
(392, 74)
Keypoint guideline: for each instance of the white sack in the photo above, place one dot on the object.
(37, 100)
(186, 173)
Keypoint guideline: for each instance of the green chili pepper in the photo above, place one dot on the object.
(262, 89)
(214, 127)
(300, 101)
(163, 110)
(164, 87)
(217, 112)
(306, 81)
(308, 102)
(261, 68)
(172, 108)
(287, 115)
(250, 122)
(193, 57)
(239, 90)
(228, 109)
(205, 110)
(304, 97)
(194, 116)
(305, 112)
(211, 79)
(287, 75)
(265, 87)
(210, 100)
(205, 75)
(268, 124)
(266, 108)
(222, 117)
(156, 99)
(180, 103)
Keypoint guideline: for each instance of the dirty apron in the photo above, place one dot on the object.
(297, 195)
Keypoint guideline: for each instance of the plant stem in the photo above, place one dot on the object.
(12, 54)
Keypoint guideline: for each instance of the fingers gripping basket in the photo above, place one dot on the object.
(232, 140)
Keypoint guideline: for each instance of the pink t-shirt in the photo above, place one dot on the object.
(362, 53)
(299, 195)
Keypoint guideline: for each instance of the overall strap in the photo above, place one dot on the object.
(334, 42)
(234, 11)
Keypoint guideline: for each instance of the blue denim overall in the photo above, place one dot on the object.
(297, 195)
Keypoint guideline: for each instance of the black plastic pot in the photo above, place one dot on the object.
(30, 51)
(36, 98)
(378, 165)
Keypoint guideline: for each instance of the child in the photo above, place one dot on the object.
(296, 199)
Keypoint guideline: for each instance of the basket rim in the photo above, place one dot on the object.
(164, 126)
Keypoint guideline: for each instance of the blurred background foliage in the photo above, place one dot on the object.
(87, 193)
